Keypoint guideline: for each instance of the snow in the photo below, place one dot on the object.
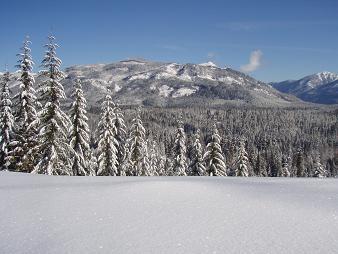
(184, 91)
(209, 64)
(139, 76)
(49, 214)
(165, 90)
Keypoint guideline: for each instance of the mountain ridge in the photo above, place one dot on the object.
(316, 88)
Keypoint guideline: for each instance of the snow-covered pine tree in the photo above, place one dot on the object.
(107, 152)
(120, 137)
(79, 132)
(214, 158)
(6, 123)
(161, 171)
(136, 146)
(146, 167)
(319, 169)
(242, 161)
(54, 151)
(180, 166)
(285, 172)
(300, 169)
(93, 166)
(25, 143)
(154, 162)
(197, 167)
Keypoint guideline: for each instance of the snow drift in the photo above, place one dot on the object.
(50, 214)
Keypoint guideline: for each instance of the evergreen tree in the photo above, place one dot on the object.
(285, 167)
(93, 165)
(197, 167)
(120, 137)
(79, 132)
(24, 145)
(213, 156)
(242, 161)
(54, 152)
(300, 170)
(154, 162)
(260, 166)
(107, 160)
(319, 170)
(179, 152)
(6, 123)
(136, 146)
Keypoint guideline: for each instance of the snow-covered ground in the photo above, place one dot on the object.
(56, 215)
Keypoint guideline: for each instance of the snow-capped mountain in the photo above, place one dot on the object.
(173, 84)
(139, 82)
(319, 88)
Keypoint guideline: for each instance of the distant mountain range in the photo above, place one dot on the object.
(140, 82)
(172, 84)
(317, 88)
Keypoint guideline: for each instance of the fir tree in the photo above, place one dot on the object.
(120, 137)
(136, 147)
(242, 161)
(107, 160)
(214, 158)
(319, 170)
(54, 152)
(300, 170)
(285, 167)
(24, 145)
(179, 152)
(154, 162)
(6, 123)
(79, 133)
(197, 167)
(93, 165)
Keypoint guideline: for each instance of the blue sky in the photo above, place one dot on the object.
(288, 39)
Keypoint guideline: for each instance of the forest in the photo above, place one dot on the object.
(38, 134)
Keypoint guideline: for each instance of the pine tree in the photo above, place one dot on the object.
(25, 143)
(319, 170)
(120, 137)
(215, 162)
(154, 162)
(79, 132)
(197, 167)
(93, 165)
(300, 170)
(136, 147)
(6, 123)
(180, 166)
(285, 167)
(107, 160)
(242, 161)
(146, 166)
(54, 152)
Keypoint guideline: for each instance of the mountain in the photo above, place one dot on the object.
(318, 88)
(172, 84)
(140, 82)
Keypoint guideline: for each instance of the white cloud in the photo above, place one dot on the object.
(255, 62)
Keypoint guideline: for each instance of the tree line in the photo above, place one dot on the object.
(37, 135)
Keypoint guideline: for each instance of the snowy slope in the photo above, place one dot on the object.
(48, 214)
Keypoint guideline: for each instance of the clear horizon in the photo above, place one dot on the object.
(269, 41)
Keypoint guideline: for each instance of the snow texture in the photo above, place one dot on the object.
(56, 214)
